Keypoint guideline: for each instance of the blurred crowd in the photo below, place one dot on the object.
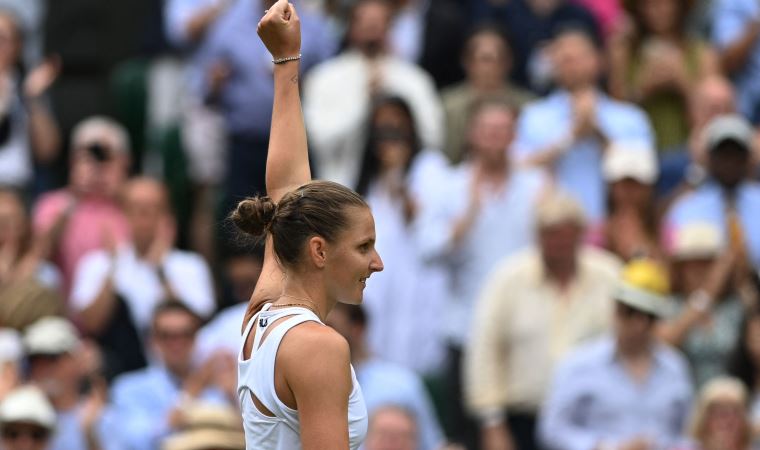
(566, 196)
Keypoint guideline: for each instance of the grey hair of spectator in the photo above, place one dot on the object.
(96, 127)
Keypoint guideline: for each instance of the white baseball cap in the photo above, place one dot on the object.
(630, 159)
(51, 336)
(729, 127)
(29, 405)
(697, 241)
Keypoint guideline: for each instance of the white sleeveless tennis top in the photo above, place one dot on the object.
(256, 375)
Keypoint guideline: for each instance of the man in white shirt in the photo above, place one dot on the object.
(338, 93)
(116, 290)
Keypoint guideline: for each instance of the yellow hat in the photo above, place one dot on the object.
(644, 286)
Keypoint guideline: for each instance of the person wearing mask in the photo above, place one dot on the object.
(487, 61)
(630, 372)
(534, 308)
(385, 383)
(338, 94)
(583, 123)
(150, 403)
(67, 371)
(27, 420)
(86, 215)
(728, 199)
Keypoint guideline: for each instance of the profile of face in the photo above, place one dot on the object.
(728, 163)
(97, 167)
(631, 325)
(13, 219)
(55, 374)
(659, 16)
(491, 133)
(24, 436)
(352, 258)
(487, 60)
(146, 205)
(10, 42)
(368, 29)
(629, 191)
(173, 336)
(391, 428)
(576, 62)
(559, 243)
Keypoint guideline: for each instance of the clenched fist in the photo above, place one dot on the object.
(280, 30)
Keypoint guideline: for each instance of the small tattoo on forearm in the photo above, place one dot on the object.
(294, 80)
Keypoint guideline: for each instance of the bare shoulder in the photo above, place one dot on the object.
(312, 340)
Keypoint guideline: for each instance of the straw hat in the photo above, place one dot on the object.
(208, 427)
(644, 286)
(558, 207)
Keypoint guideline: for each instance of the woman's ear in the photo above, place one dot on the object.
(318, 251)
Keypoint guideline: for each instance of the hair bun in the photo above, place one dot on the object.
(254, 215)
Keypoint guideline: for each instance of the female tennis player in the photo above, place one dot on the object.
(296, 386)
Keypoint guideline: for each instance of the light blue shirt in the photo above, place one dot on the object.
(177, 14)
(594, 400)
(141, 403)
(707, 204)
(503, 226)
(247, 96)
(730, 21)
(385, 383)
(547, 121)
(69, 434)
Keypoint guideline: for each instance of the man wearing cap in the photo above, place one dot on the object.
(27, 420)
(624, 391)
(85, 215)
(728, 198)
(58, 366)
(533, 309)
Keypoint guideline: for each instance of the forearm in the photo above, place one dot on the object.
(44, 136)
(735, 56)
(96, 316)
(288, 160)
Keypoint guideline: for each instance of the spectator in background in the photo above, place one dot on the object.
(27, 420)
(721, 418)
(397, 179)
(150, 403)
(29, 286)
(534, 308)
(235, 76)
(735, 33)
(483, 213)
(745, 364)
(627, 390)
(208, 427)
(241, 271)
(583, 122)
(531, 26)
(11, 356)
(428, 33)
(392, 428)
(61, 365)
(487, 61)
(631, 228)
(188, 21)
(656, 64)
(384, 383)
(85, 215)
(728, 199)
(608, 14)
(116, 289)
(708, 308)
(28, 132)
(338, 94)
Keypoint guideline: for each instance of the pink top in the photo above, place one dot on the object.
(85, 230)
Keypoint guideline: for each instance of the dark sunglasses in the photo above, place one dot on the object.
(36, 434)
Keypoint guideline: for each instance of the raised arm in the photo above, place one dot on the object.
(287, 161)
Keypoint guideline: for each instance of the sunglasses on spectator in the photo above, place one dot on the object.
(11, 433)
(168, 335)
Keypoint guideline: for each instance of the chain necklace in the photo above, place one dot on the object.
(309, 304)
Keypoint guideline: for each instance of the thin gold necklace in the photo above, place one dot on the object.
(309, 304)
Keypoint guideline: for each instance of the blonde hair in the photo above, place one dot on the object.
(719, 389)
